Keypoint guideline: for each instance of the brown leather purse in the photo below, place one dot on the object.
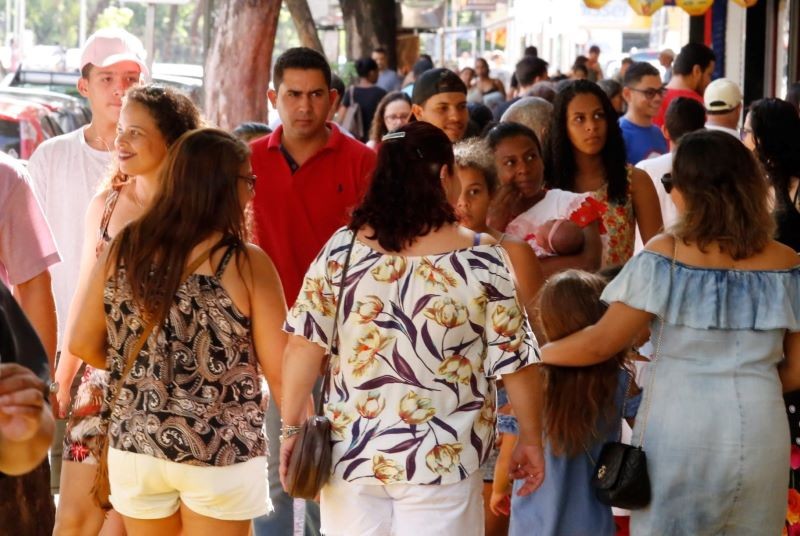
(311, 459)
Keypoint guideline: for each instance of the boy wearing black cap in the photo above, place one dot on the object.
(440, 98)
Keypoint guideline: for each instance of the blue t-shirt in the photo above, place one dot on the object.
(642, 142)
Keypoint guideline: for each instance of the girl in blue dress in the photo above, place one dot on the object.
(582, 411)
(727, 297)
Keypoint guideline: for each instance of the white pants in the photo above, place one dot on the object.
(403, 509)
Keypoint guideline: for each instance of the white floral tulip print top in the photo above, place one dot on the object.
(409, 400)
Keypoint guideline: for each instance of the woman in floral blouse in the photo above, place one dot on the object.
(586, 153)
(429, 314)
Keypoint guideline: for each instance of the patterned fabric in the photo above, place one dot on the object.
(620, 223)
(193, 395)
(410, 399)
(85, 425)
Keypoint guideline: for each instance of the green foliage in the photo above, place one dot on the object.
(114, 17)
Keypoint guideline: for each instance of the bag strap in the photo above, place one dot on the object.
(326, 380)
(148, 329)
(652, 371)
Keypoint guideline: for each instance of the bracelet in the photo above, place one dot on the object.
(289, 431)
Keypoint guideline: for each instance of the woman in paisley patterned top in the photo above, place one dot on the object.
(586, 153)
(151, 119)
(187, 448)
(429, 314)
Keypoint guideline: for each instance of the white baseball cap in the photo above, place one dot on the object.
(112, 45)
(722, 95)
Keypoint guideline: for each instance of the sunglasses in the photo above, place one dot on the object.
(250, 180)
(666, 180)
(650, 93)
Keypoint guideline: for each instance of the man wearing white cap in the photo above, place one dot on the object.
(723, 102)
(66, 172)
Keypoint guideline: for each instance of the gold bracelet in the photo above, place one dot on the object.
(289, 431)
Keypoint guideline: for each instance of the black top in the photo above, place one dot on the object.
(787, 217)
(18, 340)
(368, 99)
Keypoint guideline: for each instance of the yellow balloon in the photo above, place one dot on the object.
(595, 4)
(746, 3)
(646, 7)
(695, 7)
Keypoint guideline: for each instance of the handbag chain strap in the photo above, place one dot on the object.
(651, 367)
(326, 380)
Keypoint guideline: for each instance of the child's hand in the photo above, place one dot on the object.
(500, 503)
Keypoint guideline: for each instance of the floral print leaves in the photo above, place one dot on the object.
(352, 467)
(458, 267)
(426, 338)
(404, 445)
(358, 445)
(444, 426)
(476, 442)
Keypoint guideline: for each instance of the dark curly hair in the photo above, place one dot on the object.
(405, 199)
(173, 112)
(776, 126)
(559, 157)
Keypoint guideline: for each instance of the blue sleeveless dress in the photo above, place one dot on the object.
(717, 437)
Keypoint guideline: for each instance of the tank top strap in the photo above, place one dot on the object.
(224, 262)
(108, 211)
(476, 240)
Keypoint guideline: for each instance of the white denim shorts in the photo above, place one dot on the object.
(144, 487)
(347, 508)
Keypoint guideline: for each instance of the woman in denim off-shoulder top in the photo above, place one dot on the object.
(723, 301)
(429, 314)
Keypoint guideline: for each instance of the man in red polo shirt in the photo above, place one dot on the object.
(310, 176)
(691, 73)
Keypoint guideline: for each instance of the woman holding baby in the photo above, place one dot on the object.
(585, 153)
(563, 228)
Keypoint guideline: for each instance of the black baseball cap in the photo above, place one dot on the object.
(434, 82)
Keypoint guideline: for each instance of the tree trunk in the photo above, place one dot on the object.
(370, 24)
(239, 62)
(304, 22)
(99, 7)
(169, 50)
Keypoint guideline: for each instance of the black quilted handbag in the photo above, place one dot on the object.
(620, 476)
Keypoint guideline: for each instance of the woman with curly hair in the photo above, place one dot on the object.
(152, 118)
(585, 152)
(393, 112)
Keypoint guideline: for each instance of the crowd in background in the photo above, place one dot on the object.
(505, 279)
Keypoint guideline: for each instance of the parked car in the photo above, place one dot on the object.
(24, 125)
(70, 112)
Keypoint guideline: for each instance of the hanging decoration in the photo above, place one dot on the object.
(646, 7)
(695, 7)
(595, 4)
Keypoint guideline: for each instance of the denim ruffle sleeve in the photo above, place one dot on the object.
(709, 298)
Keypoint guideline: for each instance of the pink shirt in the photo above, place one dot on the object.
(27, 247)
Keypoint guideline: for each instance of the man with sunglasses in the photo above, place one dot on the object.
(643, 92)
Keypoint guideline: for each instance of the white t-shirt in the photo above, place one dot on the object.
(732, 132)
(66, 173)
(656, 168)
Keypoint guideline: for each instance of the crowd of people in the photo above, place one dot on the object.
(497, 282)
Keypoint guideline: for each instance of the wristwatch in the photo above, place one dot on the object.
(50, 388)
